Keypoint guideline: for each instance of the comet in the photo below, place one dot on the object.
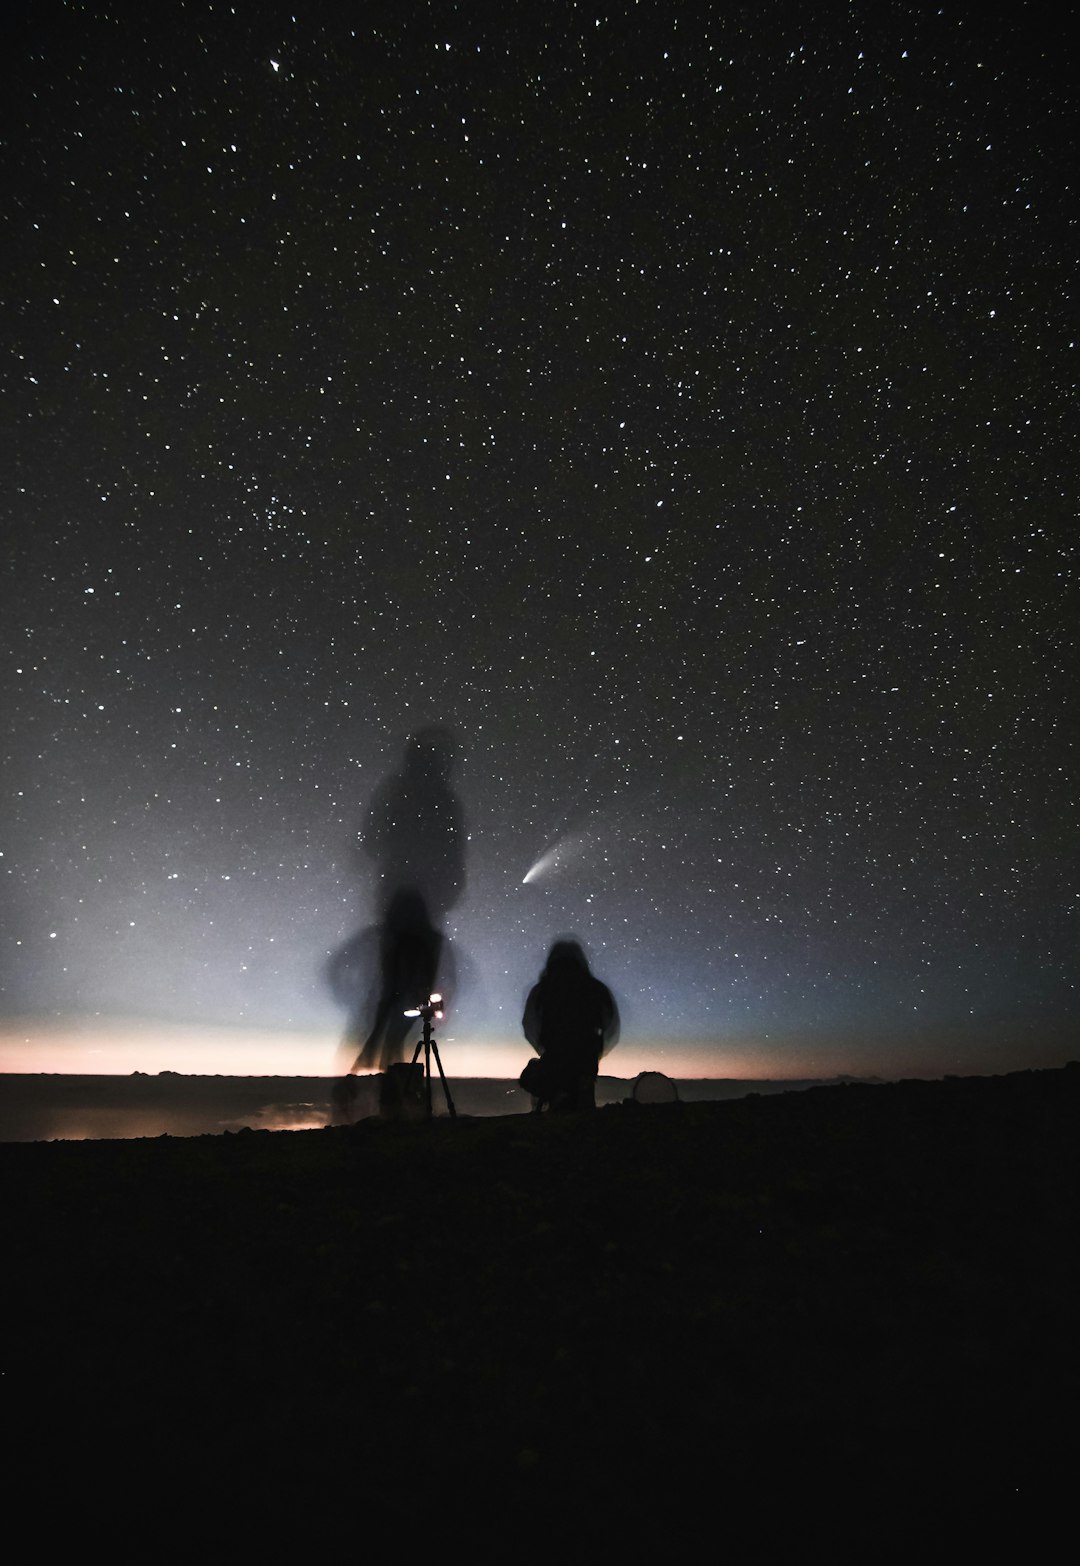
(546, 862)
(559, 854)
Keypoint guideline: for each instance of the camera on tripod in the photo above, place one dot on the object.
(410, 1084)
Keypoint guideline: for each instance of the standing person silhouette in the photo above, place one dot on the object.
(570, 1019)
(414, 831)
(414, 839)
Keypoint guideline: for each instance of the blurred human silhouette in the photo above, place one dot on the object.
(415, 827)
(409, 951)
(570, 1020)
(414, 837)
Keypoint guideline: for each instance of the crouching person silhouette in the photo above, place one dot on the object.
(570, 1020)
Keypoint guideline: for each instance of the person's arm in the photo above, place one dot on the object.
(610, 1025)
(530, 1022)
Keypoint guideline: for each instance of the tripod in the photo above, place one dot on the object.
(426, 1043)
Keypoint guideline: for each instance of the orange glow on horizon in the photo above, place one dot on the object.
(104, 1046)
(120, 1046)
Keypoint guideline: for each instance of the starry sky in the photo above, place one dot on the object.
(675, 403)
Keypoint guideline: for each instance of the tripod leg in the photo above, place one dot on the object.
(445, 1084)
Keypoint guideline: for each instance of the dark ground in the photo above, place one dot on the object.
(851, 1302)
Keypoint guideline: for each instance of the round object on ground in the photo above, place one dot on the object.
(652, 1087)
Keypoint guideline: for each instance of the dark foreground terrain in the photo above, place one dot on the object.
(844, 1304)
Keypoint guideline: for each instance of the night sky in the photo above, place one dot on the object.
(676, 404)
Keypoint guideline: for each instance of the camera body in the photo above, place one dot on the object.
(429, 1010)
